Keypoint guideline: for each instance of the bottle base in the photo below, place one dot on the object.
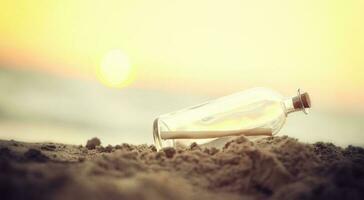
(156, 135)
(158, 141)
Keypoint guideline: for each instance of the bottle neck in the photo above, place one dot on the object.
(297, 103)
(289, 107)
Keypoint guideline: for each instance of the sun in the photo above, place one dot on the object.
(115, 69)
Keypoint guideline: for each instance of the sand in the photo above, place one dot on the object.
(268, 168)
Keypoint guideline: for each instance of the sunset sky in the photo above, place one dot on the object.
(77, 66)
(212, 47)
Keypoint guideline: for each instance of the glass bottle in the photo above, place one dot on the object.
(254, 112)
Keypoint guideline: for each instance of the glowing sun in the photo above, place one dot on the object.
(115, 69)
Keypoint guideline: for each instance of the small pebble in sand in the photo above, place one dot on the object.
(152, 147)
(35, 155)
(108, 148)
(48, 147)
(92, 143)
(100, 148)
(194, 146)
(169, 151)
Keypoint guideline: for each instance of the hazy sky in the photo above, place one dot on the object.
(197, 46)
(165, 55)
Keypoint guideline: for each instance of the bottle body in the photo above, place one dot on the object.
(257, 111)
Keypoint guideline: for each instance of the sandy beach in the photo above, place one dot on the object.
(269, 168)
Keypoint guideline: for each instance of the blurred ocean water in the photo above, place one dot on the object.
(41, 107)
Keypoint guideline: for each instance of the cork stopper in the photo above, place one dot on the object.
(301, 101)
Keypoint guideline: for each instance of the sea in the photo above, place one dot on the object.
(41, 107)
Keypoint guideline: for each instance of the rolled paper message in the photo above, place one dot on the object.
(213, 134)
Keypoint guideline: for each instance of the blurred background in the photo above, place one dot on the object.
(71, 70)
